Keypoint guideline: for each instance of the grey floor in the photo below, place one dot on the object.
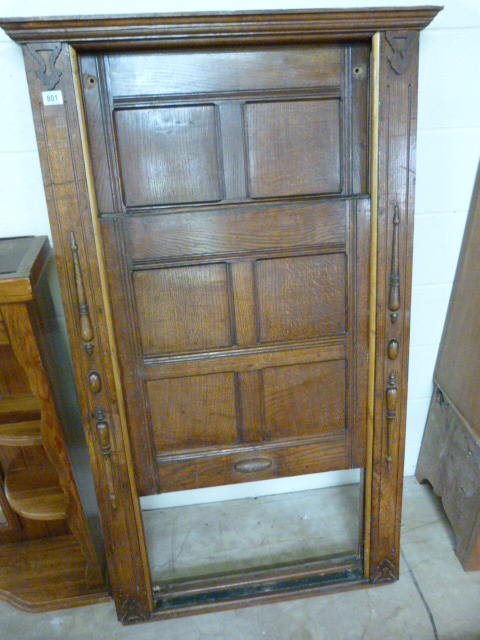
(434, 597)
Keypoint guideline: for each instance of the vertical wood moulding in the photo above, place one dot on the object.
(63, 168)
(374, 106)
(397, 113)
(108, 320)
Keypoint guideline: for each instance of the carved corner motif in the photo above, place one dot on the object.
(131, 612)
(385, 572)
(48, 77)
(400, 45)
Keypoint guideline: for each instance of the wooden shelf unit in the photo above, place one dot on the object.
(41, 507)
(20, 421)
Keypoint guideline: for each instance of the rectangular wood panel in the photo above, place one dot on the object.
(237, 229)
(293, 147)
(168, 155)
(183, 308)
(304, 400)
(245, 359)
(300, 297)
(286, 460)
(193, 412)
(202, 72)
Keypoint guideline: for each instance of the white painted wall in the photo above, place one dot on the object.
(448, 153)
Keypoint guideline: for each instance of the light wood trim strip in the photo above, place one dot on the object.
(375, 94)
(108, 315)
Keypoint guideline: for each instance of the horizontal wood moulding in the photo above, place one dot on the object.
(221, 99)
(248, 359)
(167, 596)
(236, 230)
(190, 472)
(124, 32)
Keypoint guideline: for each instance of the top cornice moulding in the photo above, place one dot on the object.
(216, 29)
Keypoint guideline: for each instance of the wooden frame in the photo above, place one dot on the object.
(50, 47)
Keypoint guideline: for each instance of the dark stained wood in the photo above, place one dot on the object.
(240, 229)
(304, 400)
(202, 29)
(211, 468)
(301, 297)
(168, 155)
(245, 359)
(183, 309)
(396, 176)
(293, 147)
(225, 72)
(65, 179)
(193, 412)
(308, 72)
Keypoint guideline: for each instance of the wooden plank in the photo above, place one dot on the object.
(172, 73)
(253, 359)
(239, 230)
(245, 464)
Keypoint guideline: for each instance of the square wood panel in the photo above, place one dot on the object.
(300, 297)
(183, 308)
(168, 155)
(304, 400)
(193, 412)
(293, 147)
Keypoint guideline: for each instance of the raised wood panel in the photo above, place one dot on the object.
(239, 230)
(176, 474)
(300, 297)
(293, 147)
(193, 412)
(168, 155)
(183, 308)
(304, 400)
(211, 72)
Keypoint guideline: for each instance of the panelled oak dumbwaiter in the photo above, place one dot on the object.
(231, 201)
